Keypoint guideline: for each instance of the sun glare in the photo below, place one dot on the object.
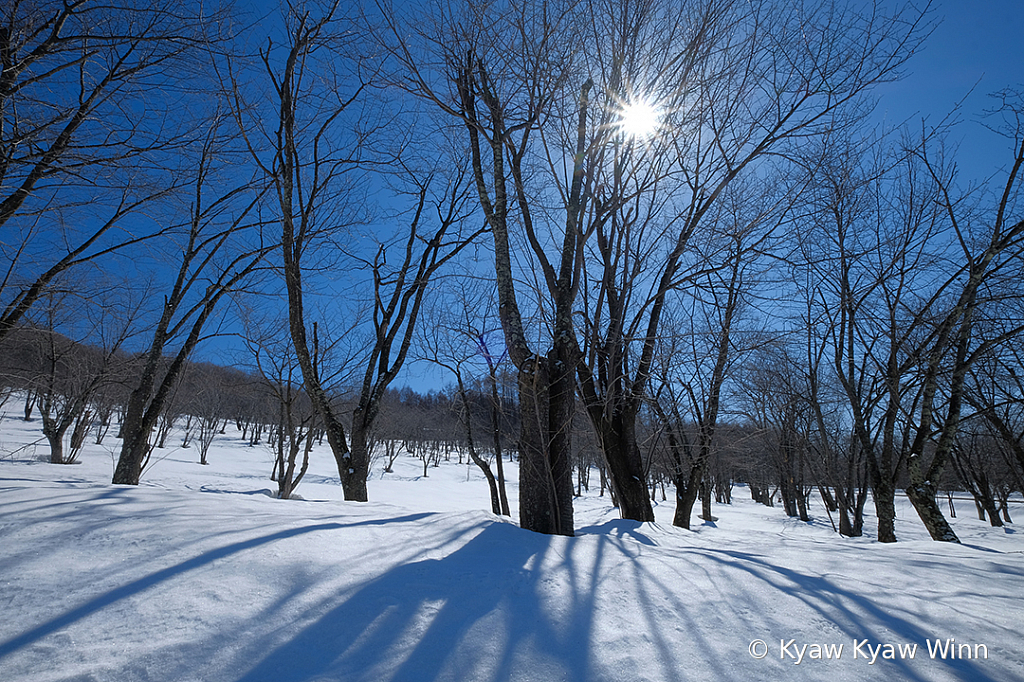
(639, 119)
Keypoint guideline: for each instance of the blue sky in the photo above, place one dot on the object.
(974, 50)
(977, 45)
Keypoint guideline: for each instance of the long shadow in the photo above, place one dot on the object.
(476, 613)
(63, 497)
(59, 505)
(148, 581)
(617, 528)
(471, 615)
(840, 606)
(855, 614)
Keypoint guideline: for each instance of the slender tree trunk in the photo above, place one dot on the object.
(492, 484)
(496, 431)
(705, 498)
(30, 401)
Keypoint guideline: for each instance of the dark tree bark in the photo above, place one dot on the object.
(485, 468)
(955, 346)
(517, 73)
(187, 308)
(74, 75)
(546, 382)
(305, 171)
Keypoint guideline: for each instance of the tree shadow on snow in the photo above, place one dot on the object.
(509, 605)
(148, 581)
(855, 614)
(479, 613)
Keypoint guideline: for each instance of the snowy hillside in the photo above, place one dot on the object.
(199, 574)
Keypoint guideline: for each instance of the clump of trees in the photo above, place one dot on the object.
(665, 225)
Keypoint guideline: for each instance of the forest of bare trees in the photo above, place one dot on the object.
(660, 241)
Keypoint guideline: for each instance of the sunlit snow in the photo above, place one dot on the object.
(199, 574)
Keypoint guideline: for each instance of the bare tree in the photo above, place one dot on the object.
(65, 372)
(546, 93)
(872, 245)
(903, 270)
(981, 471)
(990, 240)
(206, 405)
(501, 76)
(76, 161)
(220, 248)
(454, 341)
(727, 110)
(697, 356)
(775, 398)
(996, 395)
(312, 158)
(276, 362)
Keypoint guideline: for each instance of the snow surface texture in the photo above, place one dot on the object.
(200, 574)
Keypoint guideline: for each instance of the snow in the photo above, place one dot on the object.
(200, 574)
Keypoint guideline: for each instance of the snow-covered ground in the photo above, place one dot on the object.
(199, 574)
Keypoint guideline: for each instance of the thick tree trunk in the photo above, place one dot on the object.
(845, 524)
(801, 506)
(545, 467)
(885, 510)
(993, 511)
(354, 465)
(618, 442)
(686, 495)
(137, 425)
(56, 442)
(922, 496)
(977, 483)
(850, 521)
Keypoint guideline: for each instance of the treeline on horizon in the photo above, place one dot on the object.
(78, 393)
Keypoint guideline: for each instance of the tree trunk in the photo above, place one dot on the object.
(545, 467)
(354, 466)
(82, 425)
(492, 484)
(884, 493)
(705, 498)
(858, 515)
(686, 494)
(618, 442)
(922, 496)
(848, 525)
(30, 399)
(801, 506)
(496, 432)
(56, 441)
(138, 423)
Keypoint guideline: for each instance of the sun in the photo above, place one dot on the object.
(640, 119)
